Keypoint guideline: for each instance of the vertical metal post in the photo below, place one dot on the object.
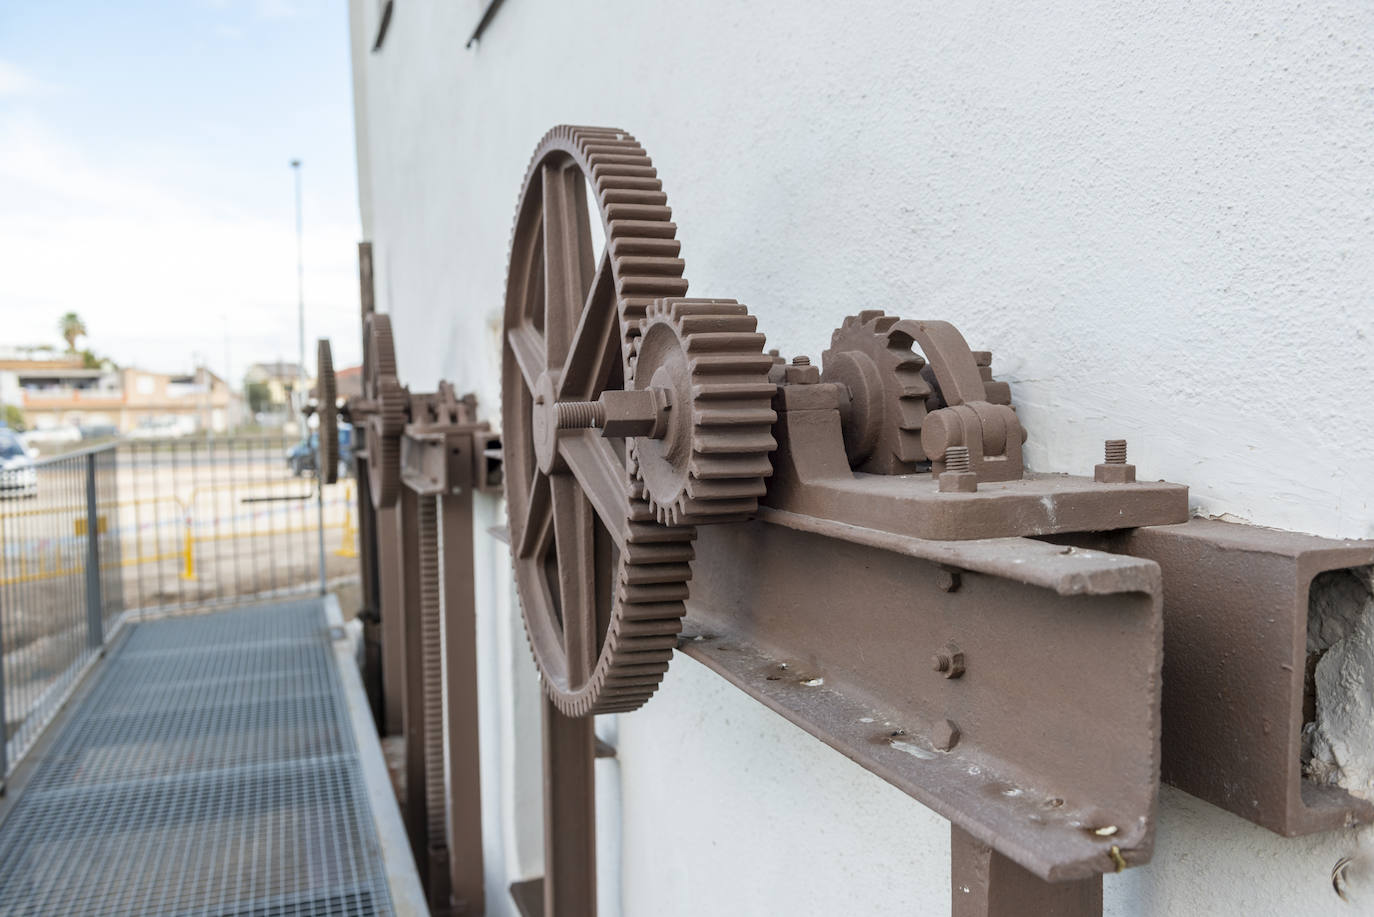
(983, 883)
(4, 719)
(393, 618)
(461, 730)
(569, 814)
(95, 625)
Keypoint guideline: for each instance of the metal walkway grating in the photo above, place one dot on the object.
(211, 770)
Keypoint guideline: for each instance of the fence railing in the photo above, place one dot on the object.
(179, 525)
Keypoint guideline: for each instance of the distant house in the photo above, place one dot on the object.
(59, 391)
(348, 382)
(280, 379)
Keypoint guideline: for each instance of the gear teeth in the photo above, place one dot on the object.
(655, 560)
(732, 413)
(896, 449)
(327, 395)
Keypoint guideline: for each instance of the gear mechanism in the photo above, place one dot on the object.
(389, 404)
(711, 463)
(327, 397)
(872, 358)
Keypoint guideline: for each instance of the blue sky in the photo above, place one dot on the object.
(145, 179)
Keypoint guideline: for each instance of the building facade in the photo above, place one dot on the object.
(1151, 215)
(61, 392)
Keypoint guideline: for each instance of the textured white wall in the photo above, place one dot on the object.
(1157, 215)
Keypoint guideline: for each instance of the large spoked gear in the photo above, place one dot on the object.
(711, 463)
(872, 357)
(389, 403)
(601, 583)
(327, 396)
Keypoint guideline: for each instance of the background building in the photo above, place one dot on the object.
(1150, 214)
(53, 391)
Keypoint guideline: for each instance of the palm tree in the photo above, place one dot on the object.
(71, 327)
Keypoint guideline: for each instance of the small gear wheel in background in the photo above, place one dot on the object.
(874, 361)
(390, 404)
(326, 394)
(711, 464)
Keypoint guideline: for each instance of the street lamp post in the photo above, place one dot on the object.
(300, 299)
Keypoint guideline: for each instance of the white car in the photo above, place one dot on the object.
(18, 476)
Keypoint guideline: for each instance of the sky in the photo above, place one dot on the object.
(145, 178)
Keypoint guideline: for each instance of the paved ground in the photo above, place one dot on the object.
(252, 529)
(211, 769)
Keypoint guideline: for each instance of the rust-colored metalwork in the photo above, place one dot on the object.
(632, 415)
(327, 397)
(1236, 610)
(601, 582)
(425, 456)
(890, 578)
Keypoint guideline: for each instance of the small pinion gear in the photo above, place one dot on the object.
(327, 394)
(872, 358)
(711, 464)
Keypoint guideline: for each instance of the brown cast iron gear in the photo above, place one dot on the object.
(601, 583)
(327, 396)
(711, 465)
(390, 404)
(874, 362)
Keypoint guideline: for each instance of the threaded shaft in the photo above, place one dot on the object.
(579, 415)
(1116, 452)
(956, 458)
(941, 662)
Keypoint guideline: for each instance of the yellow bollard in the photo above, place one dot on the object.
(188, 569)
(350, 535)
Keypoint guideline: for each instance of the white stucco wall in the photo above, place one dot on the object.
(1157, 216)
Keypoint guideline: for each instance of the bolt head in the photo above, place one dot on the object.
(944, 735)
(801, 373)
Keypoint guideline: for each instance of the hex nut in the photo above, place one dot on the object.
(801, 373)
(959, 482)
(638, 412)
(1114, 474)
(949, 661)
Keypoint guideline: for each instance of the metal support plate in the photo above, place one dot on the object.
(1045, 748)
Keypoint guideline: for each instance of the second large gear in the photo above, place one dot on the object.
(389, 402)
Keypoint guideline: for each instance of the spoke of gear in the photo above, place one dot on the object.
(712, 464)
(874, 361)
(327, 395)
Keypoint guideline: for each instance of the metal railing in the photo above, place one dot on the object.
(179, 525)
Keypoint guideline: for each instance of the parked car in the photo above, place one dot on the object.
(18, 476)
(66, 433)
(99, 431)
(163, 428)
(300, 458)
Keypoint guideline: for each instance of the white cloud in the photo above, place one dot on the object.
(15, 81)
(155, 274)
